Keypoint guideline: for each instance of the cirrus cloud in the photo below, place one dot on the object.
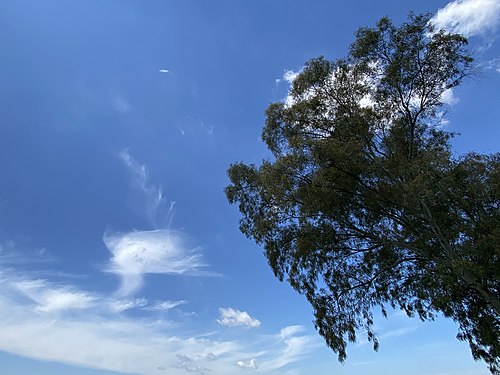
(101, 338)
(50, 298)
(161, 251)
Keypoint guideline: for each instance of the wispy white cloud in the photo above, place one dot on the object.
(139, 170)
(94, 340)
(401, 331)
(391, 330)
(13, 254)
(163, 70)
(190, 365)
(469, 17)
(60, 321)
(50, 299)
(209, 129)
(233, 318)
(193, 126)
(162, 251)
(156, 205)
(290, 331)
(492, 64)
(120, 305)
(100, 338)
(165, 305)
(294, 347)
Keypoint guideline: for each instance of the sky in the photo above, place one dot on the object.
(119, 253)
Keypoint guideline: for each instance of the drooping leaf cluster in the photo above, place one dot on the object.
(364, 205)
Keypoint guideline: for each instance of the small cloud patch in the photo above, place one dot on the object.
(230, 317)
(247, 364)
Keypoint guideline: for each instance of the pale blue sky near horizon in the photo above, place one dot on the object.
(118, 250)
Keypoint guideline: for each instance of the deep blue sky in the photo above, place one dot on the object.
(118, 120)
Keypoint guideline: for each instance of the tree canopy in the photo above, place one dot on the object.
(364, 205)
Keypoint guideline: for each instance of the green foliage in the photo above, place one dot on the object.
(364, 206)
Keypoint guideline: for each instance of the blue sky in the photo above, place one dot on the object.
(118, 119)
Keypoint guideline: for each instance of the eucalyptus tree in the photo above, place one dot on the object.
(363, 204)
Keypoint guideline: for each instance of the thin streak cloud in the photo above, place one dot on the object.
(51, 299)
(165, 305)
(155, 203)
(121, 305)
